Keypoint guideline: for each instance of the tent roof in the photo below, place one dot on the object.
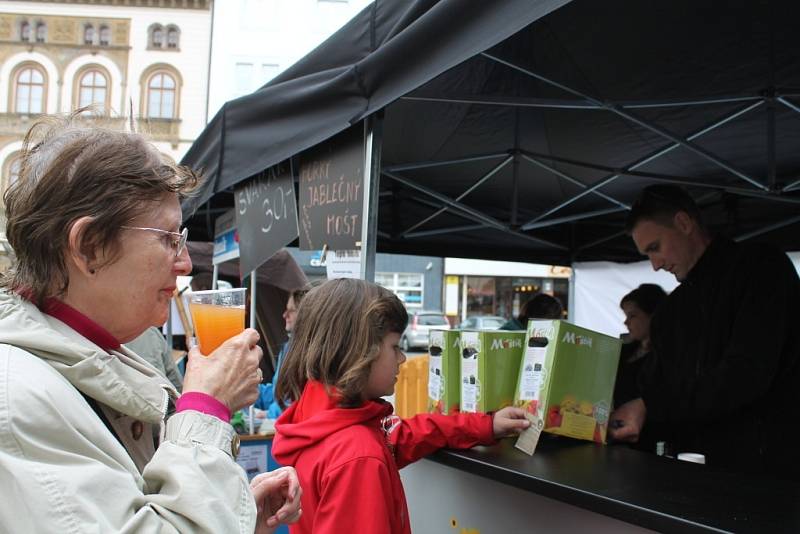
(537, 123)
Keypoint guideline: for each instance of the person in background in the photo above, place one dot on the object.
(725, 362)
(94, 220)
(152, 346)
(338, 432)
(266, 396)
(202, 281)
(540, 306)
(639, 306)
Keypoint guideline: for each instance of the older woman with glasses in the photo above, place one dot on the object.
(94, 221)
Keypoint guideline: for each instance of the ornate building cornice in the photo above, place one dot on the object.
(173, 4)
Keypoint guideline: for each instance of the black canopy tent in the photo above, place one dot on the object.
(524, 129)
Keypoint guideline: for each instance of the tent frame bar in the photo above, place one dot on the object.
(450, 230)
(767, 229)
(768, 197)
(445, 200)
(788, 104)
(795, 184)
(573, 218)
(666, 178)
(620, 111)
(543, 224)
(554, 103)
(436, 205)
(429, 164)
(791, 187)
(497, 168)
(600, 241)
(490, 221)
(650, 157)
(527, 156)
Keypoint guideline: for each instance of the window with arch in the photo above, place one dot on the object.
(105, 35)
(41, 32)
(88, 34)
(156, 36)
(93, 90)
(173, 37)
(161, 95)
(25, 31)
(30, 89)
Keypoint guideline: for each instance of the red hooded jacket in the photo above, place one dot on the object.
(348, 459)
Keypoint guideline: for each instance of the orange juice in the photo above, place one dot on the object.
(213, 325)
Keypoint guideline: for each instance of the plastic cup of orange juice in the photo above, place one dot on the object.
(217, 315)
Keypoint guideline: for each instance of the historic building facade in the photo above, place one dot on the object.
(114, 56)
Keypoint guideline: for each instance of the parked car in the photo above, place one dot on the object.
(419, 324)
(483, 322)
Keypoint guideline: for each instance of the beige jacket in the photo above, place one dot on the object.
(62, 470)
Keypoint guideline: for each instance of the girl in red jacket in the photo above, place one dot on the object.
(338, 434)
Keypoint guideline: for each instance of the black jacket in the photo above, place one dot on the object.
(724, 377)
(625, 386)
(625, 389)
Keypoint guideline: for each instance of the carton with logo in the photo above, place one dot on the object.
(490, 362)
(444, 371)
(567, 378)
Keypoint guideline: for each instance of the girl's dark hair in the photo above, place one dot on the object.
(647, 297)
(337, 336)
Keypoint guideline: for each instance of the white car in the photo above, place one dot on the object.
(419, 324)
(483, 322)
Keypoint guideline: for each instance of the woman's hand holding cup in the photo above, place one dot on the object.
(230, 374)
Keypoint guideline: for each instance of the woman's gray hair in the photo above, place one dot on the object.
(71, 170)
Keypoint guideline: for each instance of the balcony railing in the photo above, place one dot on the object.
(168, 130)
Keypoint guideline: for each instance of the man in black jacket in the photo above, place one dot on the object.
(725, 376)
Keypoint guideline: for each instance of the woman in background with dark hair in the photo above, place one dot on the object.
(639, 307)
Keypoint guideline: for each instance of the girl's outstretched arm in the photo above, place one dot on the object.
(509, 421)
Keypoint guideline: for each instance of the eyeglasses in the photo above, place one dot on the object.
(178, 241)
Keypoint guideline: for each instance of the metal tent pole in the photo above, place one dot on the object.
(373, 138)
(253, 284)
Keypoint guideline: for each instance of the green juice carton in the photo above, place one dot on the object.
(444, 371)
(490, 362)
(567, 378)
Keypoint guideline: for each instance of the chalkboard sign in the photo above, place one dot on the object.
(266, 215)
(332, 192)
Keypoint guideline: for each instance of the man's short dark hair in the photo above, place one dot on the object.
(660, 203)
